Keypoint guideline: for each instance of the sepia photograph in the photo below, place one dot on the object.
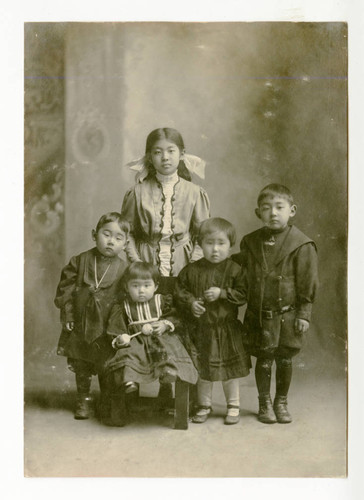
(186, 249)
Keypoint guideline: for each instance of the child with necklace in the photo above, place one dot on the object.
(88, 288)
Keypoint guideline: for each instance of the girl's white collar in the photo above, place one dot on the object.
(167, 179)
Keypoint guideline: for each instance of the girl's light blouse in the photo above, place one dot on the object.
(144, 208)
(167, 182)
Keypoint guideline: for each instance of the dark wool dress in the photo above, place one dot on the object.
(87, 306)
(217, 340)
(145, 358)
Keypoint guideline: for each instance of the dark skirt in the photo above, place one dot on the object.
(145, 359)
(218, 350)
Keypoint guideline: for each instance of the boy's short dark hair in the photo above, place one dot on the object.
(214, 224)
(113, 217)
(141, 271)
(275, 190)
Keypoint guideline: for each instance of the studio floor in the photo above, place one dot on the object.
(313, 445)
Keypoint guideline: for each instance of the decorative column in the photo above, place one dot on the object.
(94, 128)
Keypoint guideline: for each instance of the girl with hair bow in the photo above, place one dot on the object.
(164, 208)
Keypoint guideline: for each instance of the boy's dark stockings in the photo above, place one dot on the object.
(83, 383)
(283, 375)
(263, 372)
(263, 375)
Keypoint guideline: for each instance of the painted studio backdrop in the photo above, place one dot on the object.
(260, 102)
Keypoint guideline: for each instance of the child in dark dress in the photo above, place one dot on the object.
(209, 293)
(87, 290)
(280, 269)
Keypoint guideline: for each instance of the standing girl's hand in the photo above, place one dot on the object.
(301, 325)
(70, 326)
(212, 294)
(198, 308)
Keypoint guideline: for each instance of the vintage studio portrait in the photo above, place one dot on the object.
(185, 249)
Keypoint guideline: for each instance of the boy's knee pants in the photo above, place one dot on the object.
(231, 391)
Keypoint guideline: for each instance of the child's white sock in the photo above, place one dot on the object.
(233, 412)
(203, 411)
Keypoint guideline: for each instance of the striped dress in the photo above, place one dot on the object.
(145, 358)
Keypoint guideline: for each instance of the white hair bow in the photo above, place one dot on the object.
(194, 164)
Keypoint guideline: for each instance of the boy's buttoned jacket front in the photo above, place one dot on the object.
(279, 295)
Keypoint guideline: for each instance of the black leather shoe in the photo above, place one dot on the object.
(130, 387)
(266, 414)
(82, 411)
(281, 410)
(168, 376)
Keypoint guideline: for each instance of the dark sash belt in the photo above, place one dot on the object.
(269, 314)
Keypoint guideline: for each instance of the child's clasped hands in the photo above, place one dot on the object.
(210, 295)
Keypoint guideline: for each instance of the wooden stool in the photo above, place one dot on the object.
(181, 405)
(184, 398)
(183, 401)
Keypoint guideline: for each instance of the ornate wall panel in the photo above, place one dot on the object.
(44, 182)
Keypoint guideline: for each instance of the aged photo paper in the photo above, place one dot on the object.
(261, 94)
(261, 103)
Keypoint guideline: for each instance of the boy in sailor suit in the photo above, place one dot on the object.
(281, 279)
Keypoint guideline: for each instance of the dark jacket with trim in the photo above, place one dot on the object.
(88, 308)
(291, 282)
